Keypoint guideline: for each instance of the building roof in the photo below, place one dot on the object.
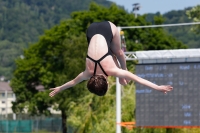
(164, 56)
(5, 86)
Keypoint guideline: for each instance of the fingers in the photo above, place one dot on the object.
(166, 88)
(169, 88)
(53, 93)
(127, 80)
(123, 81)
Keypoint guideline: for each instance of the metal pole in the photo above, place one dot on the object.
(162, 25)
(118, 105)
(135, 14)
(6, 95)
(14, 98)
(118, 100)
(6, 101)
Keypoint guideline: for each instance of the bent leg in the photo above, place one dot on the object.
(116, 46)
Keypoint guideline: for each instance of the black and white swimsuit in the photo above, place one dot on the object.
(104, 29)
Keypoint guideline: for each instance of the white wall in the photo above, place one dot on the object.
(6, 102)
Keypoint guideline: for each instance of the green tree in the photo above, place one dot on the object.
(59, 56)
(195, 16)
(49, 63)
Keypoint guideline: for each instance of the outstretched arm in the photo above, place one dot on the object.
(82, 76)
(128, 75)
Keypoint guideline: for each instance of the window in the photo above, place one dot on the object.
(3, 102)
(2, 109)
(3, 94)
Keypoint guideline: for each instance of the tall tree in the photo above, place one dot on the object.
(49, 63)
(59, 56)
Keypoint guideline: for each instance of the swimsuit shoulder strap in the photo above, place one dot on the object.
(98, 62)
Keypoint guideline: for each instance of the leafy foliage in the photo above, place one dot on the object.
(195, 15)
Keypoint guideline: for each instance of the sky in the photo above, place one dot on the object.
(153, 6)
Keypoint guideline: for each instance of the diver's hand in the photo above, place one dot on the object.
(54, 91)
(165, 88)
(122, 81)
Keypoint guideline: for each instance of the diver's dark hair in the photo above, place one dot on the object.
(98, 85)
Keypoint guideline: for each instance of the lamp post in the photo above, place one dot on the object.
(136, 7)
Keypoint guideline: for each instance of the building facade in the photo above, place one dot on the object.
(6, 98)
